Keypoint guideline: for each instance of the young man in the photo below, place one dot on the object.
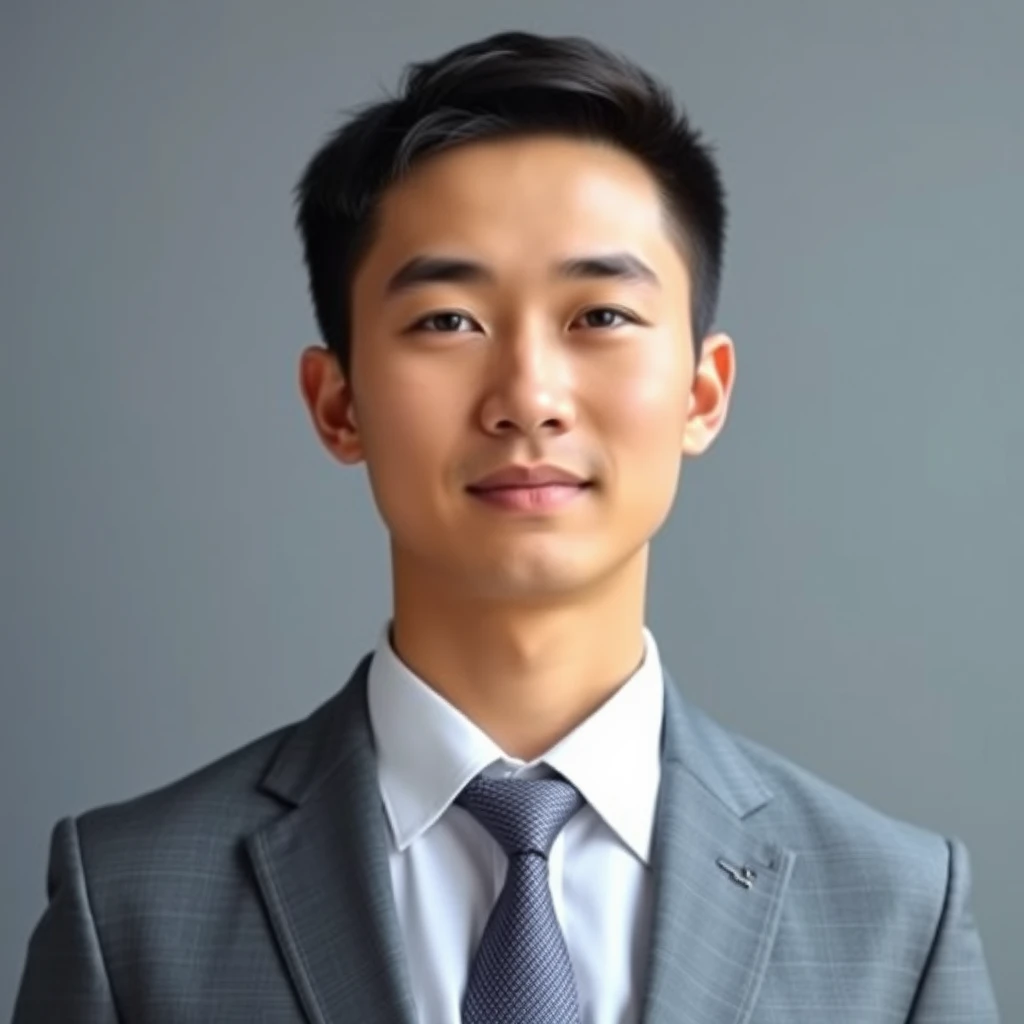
(510, 812)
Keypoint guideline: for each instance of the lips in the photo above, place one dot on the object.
(542, 498)
(514, 477)
(530, 489)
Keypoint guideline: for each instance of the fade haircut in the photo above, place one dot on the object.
(509, 84)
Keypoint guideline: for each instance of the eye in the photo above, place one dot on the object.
(445, 322)
(604, 316)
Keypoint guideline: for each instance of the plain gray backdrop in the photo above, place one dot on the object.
(184, 568)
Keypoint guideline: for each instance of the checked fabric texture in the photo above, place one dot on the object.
(521, 973)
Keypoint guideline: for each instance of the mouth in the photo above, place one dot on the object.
(530, 497)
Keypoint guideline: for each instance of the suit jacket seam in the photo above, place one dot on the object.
(93, 924)
(940, 926)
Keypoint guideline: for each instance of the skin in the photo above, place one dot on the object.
(525, 622)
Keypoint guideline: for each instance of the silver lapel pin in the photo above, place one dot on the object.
(741, 876)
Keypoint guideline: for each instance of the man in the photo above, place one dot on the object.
(510, 812)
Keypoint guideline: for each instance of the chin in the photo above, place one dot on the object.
(534, 575)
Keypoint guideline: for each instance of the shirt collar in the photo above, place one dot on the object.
(428, 750)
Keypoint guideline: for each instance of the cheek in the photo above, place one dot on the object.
(409, 431)
(644, 426)
(645, 410)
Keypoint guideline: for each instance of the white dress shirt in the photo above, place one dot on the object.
(447, 871)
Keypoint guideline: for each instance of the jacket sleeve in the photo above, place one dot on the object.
(64, 977)
(955, 984)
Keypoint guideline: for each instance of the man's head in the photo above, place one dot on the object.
(516, 262)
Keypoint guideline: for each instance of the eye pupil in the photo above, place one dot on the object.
(448, 321)
(602, 317)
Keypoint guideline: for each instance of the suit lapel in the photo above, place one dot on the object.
(712, 936)
(322, 869)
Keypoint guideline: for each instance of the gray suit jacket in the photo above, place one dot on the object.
(258, 889)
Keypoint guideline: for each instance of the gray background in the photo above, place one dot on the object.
(183, 567)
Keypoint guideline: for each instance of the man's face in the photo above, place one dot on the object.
(519, 361)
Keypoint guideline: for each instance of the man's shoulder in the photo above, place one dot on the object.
(790, 805)
(234, 795)
(837, 835)
(211, 807)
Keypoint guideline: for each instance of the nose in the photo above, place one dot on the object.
(531, 391)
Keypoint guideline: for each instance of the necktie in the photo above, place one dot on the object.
(521, 973)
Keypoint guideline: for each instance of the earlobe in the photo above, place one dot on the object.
(346, 443)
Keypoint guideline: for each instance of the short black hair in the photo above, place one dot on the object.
(511, 83)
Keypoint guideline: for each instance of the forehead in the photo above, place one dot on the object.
(511, 201)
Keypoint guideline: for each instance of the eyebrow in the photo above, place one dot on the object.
(423, 270)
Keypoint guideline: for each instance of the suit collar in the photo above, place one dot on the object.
(318, 746)
(335, 734)
(710, 754)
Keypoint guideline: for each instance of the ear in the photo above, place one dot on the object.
(713, 381)
(329, 399)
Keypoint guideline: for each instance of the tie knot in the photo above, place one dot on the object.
(523, 815)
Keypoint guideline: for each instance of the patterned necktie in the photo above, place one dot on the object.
(521, 973)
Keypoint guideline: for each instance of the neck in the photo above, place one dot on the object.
(526, 674)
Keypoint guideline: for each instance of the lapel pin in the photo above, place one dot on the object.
(741, 876)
